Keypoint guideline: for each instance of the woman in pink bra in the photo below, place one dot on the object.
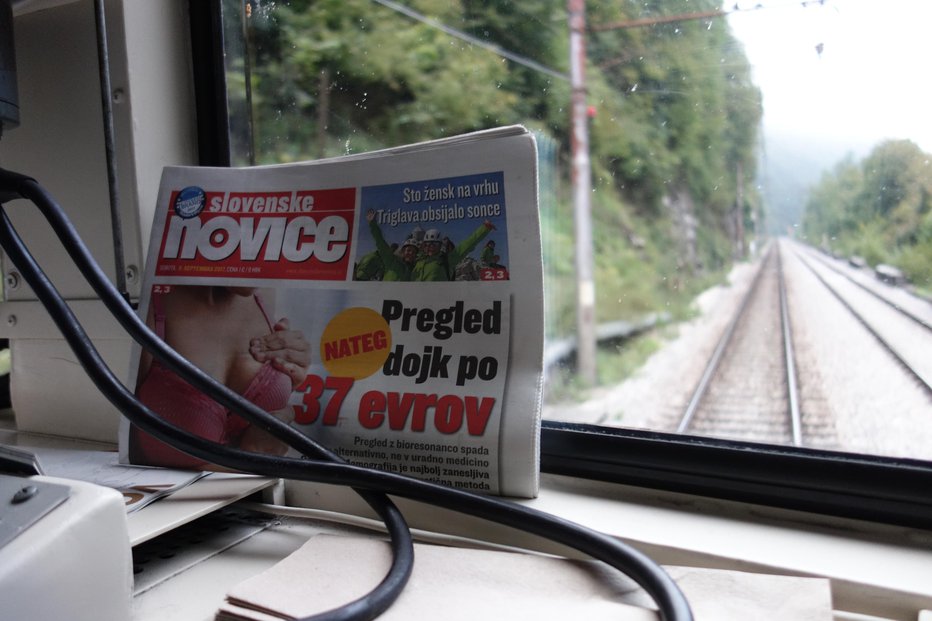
(227, 332)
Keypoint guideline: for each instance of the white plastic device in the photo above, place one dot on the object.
(64, 551)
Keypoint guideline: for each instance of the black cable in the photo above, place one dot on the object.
(671, 602)
(137, 328)
(654, 580)
(106, 104)
(387, 591)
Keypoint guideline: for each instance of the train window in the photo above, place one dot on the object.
(760, 193)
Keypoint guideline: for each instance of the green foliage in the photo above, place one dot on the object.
(916, 263)
(333, 73)
(614, 362)
(869, 242)
(833, 201)
(688, 111)
(676, 114)
(879, 209)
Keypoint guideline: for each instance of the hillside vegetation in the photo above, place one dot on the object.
(673, 131)
(879, 208)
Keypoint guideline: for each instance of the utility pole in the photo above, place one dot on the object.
(740, 249)
(582, 175)
(582, 190)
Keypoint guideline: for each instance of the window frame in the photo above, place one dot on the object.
(849, 485)
(886, 490)
(208, 72)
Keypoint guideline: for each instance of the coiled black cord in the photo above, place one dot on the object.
(365, 608)
(670, 600)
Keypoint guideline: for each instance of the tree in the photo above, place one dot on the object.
(879, 208)
(897, 188)
(676, 112)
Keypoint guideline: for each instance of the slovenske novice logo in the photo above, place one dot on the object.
(190, 202)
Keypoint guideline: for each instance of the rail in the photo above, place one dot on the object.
(719, 352)
(926, 383)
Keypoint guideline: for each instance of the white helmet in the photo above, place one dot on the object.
(432, 235)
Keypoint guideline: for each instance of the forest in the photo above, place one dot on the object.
(674, 118)
(879, 209)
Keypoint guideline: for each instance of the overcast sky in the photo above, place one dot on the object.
(872, 80)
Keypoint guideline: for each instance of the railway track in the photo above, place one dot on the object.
(912, 314)
(751, 390)
(748, 390)
(910, 347)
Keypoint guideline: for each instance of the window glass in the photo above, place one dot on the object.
(733, 147)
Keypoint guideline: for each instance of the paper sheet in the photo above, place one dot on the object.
(139, 486)
(465, 584)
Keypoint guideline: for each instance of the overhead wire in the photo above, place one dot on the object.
(624, 24)
(459, 34)
(671, 602)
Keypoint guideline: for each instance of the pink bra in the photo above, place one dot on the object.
(181, 404)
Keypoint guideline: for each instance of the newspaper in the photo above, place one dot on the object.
(139, 486)
(387, 304)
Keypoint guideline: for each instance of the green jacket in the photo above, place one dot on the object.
(439, 266)
(394, 268)
(369, 267)
(487, 257)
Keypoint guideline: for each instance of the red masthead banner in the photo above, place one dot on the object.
(280, 235)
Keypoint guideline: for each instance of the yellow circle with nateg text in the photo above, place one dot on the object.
(355, 343)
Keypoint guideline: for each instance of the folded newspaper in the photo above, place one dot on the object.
(139, 486)
(387, 304)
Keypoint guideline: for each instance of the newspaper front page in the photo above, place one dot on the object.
(387, 304)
